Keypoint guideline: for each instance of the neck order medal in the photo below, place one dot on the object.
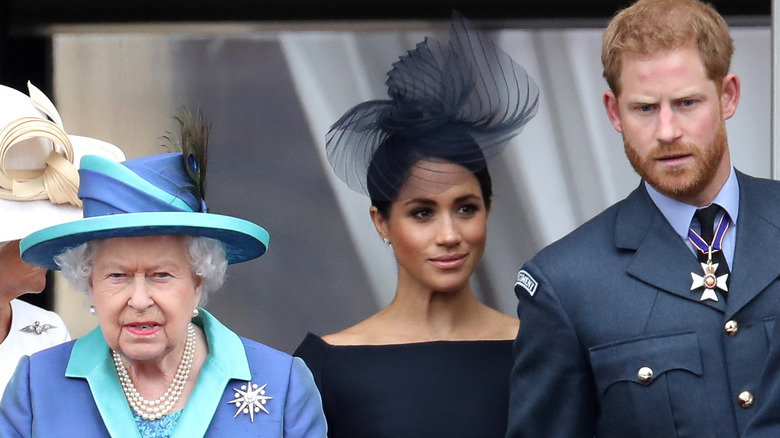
(709, 281)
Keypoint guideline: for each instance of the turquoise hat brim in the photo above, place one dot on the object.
(243, 240)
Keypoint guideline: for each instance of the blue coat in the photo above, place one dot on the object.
(73, 390)
(614, 297)
(766, 423)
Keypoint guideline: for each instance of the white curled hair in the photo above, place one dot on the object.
(206, 255)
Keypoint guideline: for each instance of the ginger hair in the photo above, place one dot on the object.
(649, 27)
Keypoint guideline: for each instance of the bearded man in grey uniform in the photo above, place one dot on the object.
(640, 323)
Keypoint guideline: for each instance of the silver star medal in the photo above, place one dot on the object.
(36, 328)
(250, 399)
(709, 281)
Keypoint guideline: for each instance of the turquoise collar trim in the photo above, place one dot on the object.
(90, 359)
(226, 360)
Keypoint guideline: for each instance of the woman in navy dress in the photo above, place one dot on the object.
(435, 361)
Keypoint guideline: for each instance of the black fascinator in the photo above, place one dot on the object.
(459, 101)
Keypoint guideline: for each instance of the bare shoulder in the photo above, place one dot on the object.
(362, 333)
(343, 337)
(502, 326)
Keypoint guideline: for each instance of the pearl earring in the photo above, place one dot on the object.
(92, 310)
(386, 241)
(195, 312)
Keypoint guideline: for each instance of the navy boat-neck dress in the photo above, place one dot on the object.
(429, 389)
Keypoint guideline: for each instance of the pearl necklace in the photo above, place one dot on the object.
(155, 409)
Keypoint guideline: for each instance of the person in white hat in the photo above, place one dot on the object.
(38, 188)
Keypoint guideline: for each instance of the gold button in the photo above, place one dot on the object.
(731, 327)
(645, 374)
(745, 399)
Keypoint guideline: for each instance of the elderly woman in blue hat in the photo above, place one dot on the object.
(148, 254)
(38, 188)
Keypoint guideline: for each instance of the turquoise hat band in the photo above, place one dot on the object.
(243, 240)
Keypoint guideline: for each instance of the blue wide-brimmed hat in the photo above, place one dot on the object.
(145, 196)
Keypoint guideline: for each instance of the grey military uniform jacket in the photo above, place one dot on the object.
(613, 343)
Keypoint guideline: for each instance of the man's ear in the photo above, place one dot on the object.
(729, 95)
(613, 110)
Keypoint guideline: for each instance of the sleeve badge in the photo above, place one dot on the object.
(526, 281)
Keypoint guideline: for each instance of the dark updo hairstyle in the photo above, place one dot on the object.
(391, 164)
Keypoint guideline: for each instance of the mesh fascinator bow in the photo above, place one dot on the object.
(461, 100)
